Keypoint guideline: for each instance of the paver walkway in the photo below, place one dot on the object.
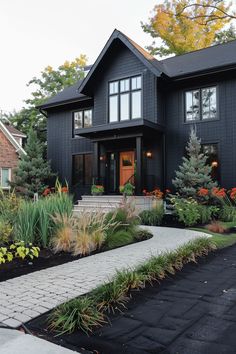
(28, 296)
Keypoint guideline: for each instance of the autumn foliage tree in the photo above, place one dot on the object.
(187, 25)
(48, 84)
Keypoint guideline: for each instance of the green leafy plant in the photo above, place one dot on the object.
(119, 238)
(227, 213)
(152, 217)
(5, 255)
(21, 250)
(127, 189)
(187, 210)
(25, 227)
(97, 189)
(142, 235)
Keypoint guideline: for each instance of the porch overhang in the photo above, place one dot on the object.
(118, 130)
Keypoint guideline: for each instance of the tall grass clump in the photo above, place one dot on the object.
(34, 222)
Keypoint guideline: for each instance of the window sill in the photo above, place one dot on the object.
(201, 121)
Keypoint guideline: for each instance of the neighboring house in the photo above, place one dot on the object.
(10, 151)
(131, 117)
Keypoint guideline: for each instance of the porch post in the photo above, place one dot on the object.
(96, 161)
(139, 164)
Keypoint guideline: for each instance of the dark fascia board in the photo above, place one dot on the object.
(117, 34)
(118, 126)
(214, 70)
(63, 103)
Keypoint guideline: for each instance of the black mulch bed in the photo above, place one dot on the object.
(193, 312)
(45, 260)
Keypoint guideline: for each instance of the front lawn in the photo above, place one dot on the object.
(221, 240)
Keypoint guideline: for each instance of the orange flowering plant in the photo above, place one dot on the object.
(156, 193)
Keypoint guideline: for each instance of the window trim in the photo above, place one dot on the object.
(9, 177)
(73, 119)
(119, 93)
(200, 120)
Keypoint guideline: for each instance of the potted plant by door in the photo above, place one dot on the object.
(127, 190)
(97, 189)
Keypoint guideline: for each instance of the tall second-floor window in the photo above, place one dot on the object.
(125, 99)
(201, 104)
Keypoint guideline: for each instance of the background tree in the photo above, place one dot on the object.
(32, 173)
(194, 173)
(187, 25)
(50, 82)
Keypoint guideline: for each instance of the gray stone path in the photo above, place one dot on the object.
(28, 296)
(16, 342)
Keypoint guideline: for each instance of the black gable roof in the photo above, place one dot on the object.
(207, 59)
(193, 63)
(69, 94)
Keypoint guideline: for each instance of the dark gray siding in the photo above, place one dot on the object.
(220, 131)
(123, 63)
(61, 145)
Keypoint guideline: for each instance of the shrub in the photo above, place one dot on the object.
(227, 213)
(127, 189)
(186, 210)
(5, 231)
(207, 213)
(216, 227)
(142, 235)
(25, 227)
(9, 205)
(119, 238)
(18, 250)
(152, 217)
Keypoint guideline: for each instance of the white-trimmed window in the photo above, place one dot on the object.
(125, 99)
(5, 177)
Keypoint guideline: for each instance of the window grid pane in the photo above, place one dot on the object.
(136, 104)
(124, 85)
(113, 108)
(87, 118)
(192, 105)
(78, 120)
(113, 87)
(136, 83)
(124, 106)
(209, 103)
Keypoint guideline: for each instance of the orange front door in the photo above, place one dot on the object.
(126, 166)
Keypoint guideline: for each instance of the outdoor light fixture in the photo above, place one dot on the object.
(102, 158)
(149, 154)
(214, 164)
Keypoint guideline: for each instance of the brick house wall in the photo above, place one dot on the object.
(8, 156)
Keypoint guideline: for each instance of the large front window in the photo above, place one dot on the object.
(82, 169)
(125, 99)
(201, 104)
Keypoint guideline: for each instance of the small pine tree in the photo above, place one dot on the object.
(194, 173)
(33, 171)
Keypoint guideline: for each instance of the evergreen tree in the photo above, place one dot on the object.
(194, 173)
(33, 172)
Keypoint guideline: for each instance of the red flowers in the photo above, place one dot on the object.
(203, 192)
(46, 192)
(64, 190)
(156, 193)
(233, 193)
(218, 192)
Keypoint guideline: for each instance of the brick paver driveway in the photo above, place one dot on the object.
(28, 296)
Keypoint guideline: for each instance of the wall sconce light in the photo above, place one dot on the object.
(214, 164)
(149, 154)
(102, 158)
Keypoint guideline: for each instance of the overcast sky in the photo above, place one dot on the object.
(37, 33)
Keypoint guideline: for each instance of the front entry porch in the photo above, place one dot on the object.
(135, 159)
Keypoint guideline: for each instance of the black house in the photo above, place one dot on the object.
(130, 118)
